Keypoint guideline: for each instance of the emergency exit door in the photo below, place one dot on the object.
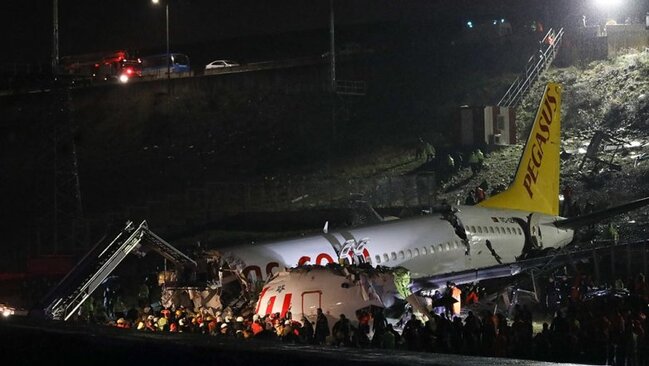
(311, 301)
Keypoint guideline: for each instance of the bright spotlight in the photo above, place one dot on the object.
(123, 78)
(6, 311)
(469, 24)
(155, 1)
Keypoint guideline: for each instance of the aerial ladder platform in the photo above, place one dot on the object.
(76, 287)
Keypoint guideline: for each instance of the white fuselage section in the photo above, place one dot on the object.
(305, 290)
(427, 245)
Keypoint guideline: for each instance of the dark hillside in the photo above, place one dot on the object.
(136, 144)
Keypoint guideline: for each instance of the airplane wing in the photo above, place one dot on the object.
(591, 218)
(559, 258)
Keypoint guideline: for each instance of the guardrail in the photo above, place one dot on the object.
(536, 64)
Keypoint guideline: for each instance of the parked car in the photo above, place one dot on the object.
(221, 63)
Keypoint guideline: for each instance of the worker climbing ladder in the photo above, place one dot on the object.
(537, 63)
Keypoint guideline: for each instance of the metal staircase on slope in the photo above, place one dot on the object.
(66, 298)
(537, 63)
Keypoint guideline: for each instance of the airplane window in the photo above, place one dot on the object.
(485, 229)
(385, 257)
(409, 253)
(479, 230)
(509, 230)
(491, 229)
(472, 228)
(432, 249)
(424, 251)
(401, 255)
(519, 231)
(378, 259)
(455, 245)
(497, 230)
(448, 246)
(416, 254)
(394, 256)
(440, 247)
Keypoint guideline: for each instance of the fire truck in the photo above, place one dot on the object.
(102, 66)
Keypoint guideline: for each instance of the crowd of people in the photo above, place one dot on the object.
(449, 162)
(607, 329)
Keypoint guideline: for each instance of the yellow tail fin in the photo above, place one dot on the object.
(536, 185)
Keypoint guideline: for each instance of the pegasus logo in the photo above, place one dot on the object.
(541, 137)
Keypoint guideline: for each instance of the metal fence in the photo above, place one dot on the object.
(278, 195)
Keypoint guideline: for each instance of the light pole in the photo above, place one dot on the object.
(55, 37)
(156, 2)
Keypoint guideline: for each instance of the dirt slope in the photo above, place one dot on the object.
(611, 96)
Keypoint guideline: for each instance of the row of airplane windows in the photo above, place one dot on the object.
(495, 230)
(409, 253)
(447, 246)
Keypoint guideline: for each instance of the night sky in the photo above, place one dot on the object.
(91, 26)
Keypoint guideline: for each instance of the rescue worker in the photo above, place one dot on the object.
(380, 325)
(238, 325)
(472, 297)
(321, 328)
(437, 296)
(143, 294)
(448, 293)
(87, 310)
(429, 150)
(342, 331)
(288, 334)
(459, 160)
(612, 234)
(224, 330)
(306, 332)
(388, 340)
(256, 326)
(450, 165)
(380, 322)
(480, 157)
(109, 301)
(411, 333)
(456, 293)
(567, 201)
(474, 162)
(479, 194)
(470, 198)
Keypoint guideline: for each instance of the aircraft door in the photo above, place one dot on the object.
(347, 252)
(535, 231)
(355, 252)
(311, 301)
(532, 232)
(361, 254)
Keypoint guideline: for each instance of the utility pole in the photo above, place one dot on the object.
(168, 55)
(332, 46)
(332, 59)
(55, 36)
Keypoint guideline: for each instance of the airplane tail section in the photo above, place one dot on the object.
(536, 184)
